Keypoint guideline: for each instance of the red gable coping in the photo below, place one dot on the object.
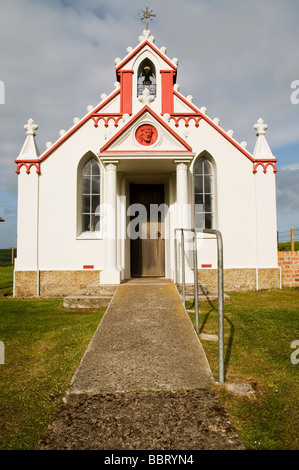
(134, 52)
(135, 118)
(223, 133)
(70, 132)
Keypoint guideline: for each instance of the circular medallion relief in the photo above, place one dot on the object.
(146, 134)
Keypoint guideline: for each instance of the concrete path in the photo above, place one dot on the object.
(143, 383)
(145, 341)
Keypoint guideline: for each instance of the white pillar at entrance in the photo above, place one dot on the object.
(183, 216)
(111, 273)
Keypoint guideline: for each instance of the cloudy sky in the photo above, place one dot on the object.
(237, 58)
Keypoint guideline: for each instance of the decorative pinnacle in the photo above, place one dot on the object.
(30, 127)
(260, 127)
(146, 15)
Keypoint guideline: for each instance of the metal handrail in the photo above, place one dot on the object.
(220, 285)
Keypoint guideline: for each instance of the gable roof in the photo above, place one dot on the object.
(139, 48)
(184, 147)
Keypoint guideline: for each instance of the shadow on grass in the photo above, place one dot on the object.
(228, 348)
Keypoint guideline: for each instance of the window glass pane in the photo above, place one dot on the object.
(85, 185)
(95, 205)
(207, 184)
(208, 203)
(198, 168)
(198, 207)
(199, 220)
(85, 222)
(87, 169)
(95, 167)
(86, 204)
(96, 223)
(198, 184)
(96, 184)
(198, 199)
(207, 167)
(208, 220)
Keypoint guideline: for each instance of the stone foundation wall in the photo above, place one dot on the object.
(52, 283)
(241, 279)
(289, 262)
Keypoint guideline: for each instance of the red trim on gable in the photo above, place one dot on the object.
(218, 129)
(74, 129)
(88, 266)
(265, 164)
(28, 166)
(135, 118)
(155, 49)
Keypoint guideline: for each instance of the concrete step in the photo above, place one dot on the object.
(100, 289)
(206, 298)
(86, 301)
(94, 296)
(189, 289)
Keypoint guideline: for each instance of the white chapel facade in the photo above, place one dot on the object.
(102, 203)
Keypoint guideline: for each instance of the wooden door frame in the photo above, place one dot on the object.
(149, 183)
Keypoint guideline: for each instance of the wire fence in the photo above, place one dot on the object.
(288, 240)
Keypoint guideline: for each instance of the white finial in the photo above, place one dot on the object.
(190, 98)
(125, 117)
(176, 87)
(103, 96)
(175, 61)
(30, 127)
(89, 108)
(146, 97)
(48, 145)
(166, 116)
(146, 35)
(129, 49)
(203, 110)
(116, 85)
(29, 149)
(163, 49)
(117, 61)
(76, 120)
(216, 121)
(260, 127)
(62, 132)
(244, 145)
(230, 133)
(261, 149)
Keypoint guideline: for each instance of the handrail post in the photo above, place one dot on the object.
(195, 281)
(220, 308)
(183, 267)
(175, 259)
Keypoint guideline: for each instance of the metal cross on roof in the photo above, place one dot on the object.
(147, 15)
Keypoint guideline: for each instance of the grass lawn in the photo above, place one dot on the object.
(259, 329)
(43, 345)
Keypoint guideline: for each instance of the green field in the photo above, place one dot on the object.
(43, 346)
(259, 329)
(287, 246)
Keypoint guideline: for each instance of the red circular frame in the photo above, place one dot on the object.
(146, 134)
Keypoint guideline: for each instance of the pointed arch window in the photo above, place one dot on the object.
(146, 77)
(203, 194)
(91, 196)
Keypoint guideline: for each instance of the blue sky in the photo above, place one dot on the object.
(237, 58)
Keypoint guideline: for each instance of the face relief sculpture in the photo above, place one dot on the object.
(146, 135)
